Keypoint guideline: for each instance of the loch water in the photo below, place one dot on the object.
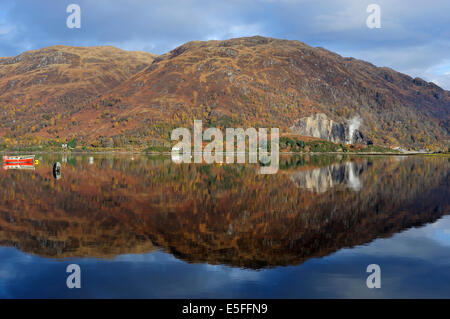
(145, 227)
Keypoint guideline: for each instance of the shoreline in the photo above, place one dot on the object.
(79, 152)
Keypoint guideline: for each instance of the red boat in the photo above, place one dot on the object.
(19, 160)
(20, 166)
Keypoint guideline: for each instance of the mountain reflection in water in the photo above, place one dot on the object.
(230, 214)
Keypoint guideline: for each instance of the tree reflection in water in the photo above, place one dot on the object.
(230, 214)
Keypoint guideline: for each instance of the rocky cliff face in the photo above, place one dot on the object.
(319, 125)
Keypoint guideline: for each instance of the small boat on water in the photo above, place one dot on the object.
(20, 167)
(19, 160)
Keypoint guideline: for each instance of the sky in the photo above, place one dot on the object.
(414, 37)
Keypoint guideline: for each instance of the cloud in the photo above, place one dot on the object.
(414, 37)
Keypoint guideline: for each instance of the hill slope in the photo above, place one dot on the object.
(39, 88)
(261, 82)
(267, 82)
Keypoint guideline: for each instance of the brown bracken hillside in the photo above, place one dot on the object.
(41, 90)
(256, 81)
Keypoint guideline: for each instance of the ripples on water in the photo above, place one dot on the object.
(150, 228)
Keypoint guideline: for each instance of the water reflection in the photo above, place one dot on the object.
(320, 180)
(214, 214)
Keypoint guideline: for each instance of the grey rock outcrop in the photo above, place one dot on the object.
(320, 126)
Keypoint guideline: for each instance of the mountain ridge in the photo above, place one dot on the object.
(252, 81)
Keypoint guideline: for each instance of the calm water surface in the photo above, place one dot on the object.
(149, 228)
